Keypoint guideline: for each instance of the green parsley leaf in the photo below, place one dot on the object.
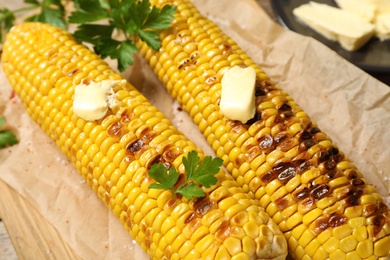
(160, 19)
(166, 179)
(52, 12)
(130, 19)
(125, 54)
(7, 20)
(197, 174)
(151, 38)
(96, 34)
(191, 191)
(7, 138)
(88, 11)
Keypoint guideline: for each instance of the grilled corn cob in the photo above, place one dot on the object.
(319, 199)
(113, 154)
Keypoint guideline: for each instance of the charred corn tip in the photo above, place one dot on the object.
(321, 202)
(113, 154)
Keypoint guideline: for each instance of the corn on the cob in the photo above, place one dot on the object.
(319, 199)
(113, 154)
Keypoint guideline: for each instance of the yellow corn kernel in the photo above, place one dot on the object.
(312, 247)
(381, 247)
(342, 231)
(207, 246)
(337, 254)
(365, 248)
(233, 245)
(294, 220)
(348, 244)
(223, 253)
(320, 254)
(306, 238)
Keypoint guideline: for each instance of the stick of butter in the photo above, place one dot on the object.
(238, 94)
(348, 28)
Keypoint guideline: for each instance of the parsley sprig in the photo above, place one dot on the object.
(127, 20)
(7, 137)
(197, 174)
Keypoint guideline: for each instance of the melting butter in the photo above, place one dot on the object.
(238, 94)
(91, 102)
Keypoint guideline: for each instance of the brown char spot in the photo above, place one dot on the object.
(284, 107)
(203, 205)
(302, 194)
(267, 177)
(135, 146)
(266, 142)
(306, 144)
(252, 153)
(115, 129)
(240, 160)
(354, 195)
(190, 218)
(237, 126)
(382, 207)
(125, 117)
(357, 182)
(148, 135)
(155, 159)
(148, 240)
(172, 202)
(287, 145)
(226, 49)
(287, 174)
(323, 223)
(320, 191)
(279, 137)
(282, 203)
(337, 220)
(171, 154)
(223, 231)
(307, 203)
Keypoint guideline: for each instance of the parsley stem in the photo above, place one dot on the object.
(27, 8)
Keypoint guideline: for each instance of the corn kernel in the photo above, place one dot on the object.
(337, 254)
(233, 245)
(348, 243)
(342, 231)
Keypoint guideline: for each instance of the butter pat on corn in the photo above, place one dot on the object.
(348, 28)
(238, 94)
(91, 102)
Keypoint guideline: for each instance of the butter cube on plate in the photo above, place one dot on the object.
(348, 28)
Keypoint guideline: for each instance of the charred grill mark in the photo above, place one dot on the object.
(253, 120)
(302, 194)
(135, 146)
(320, 191)
(282, 203)
(323, 223)
(203, 205)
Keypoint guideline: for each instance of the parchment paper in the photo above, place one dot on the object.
(348, 104)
